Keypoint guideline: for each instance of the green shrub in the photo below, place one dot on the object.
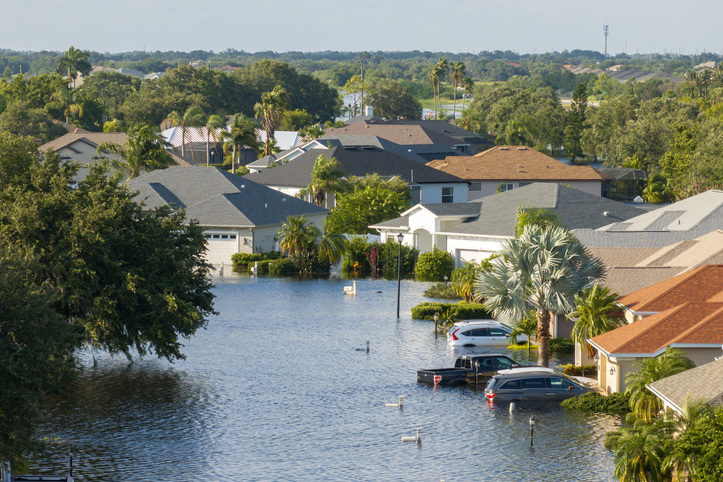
(594, 402)
(281, 266)
(243, 260)
(441, 290)
(589, 371)
(455, 311)
(361, 255)
(562, 345)
(434, 265)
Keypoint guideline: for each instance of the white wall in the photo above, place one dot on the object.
(465, 249)
(432, 193)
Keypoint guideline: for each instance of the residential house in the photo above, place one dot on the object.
(425, 142)
(622, 183)
(82, 147)
(503, 168)
(237, 214)
(199, 146)
(702, 384)
(427, 184)
(683, 312)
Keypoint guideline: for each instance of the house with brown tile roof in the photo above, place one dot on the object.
(630, 269)
(503, 168)
(684, 312)
(700, 384)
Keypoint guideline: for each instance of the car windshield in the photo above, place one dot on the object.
(491, 383)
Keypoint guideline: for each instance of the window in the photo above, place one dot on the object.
(476, 332)
(475, 186)
(505, 186)
(561, 383)
(224, 236)
(523, 184)
(497, 332)
(232, 236)
(447, 195)
(503, 363)
(511, 385)
(534, 383)
(216, 236)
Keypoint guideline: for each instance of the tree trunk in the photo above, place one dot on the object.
(543, 338)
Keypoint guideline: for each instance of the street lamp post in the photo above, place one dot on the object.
(400, 238)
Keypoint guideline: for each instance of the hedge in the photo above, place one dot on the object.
(589, 371)
(457, 311)
(243, 260)
(617, 402)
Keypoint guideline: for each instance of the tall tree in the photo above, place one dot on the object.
(458, 74)
(242, 133)
(441, 67)
(144, 150)
(575, 123)
(596, 312)
(192, 117)
(327, 176)
(298, 235)
(271, 111)
(67, 101)
(639, 455)
(391, 100)
(213, 124)
(542, 270)
(73, 62)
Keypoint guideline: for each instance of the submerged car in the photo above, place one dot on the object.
(480, 333)
(532, 384)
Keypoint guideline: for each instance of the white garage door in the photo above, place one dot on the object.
(220, 248)
(466, 255)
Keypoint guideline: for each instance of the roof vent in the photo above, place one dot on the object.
(606, 213)
(522, 148)
(504, 148)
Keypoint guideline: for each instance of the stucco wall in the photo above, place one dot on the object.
(490, 187)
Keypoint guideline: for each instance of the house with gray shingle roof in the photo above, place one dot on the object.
(478, 229)
(427, 184)
(700, 384)
(237, 214)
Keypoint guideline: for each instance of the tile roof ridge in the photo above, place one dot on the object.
(682, 278)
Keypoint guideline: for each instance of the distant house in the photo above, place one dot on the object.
(199, 146)
(503, 168)
(683, 312)
(622, 183)
(631, 269)
(82, 148)
(681, 221)
(237, 214)
(475, 230)
(702, 384)
(427, 184)
(427, 142)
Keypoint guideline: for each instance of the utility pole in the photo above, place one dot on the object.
(605, 31)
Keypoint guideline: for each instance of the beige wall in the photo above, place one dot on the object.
(490, 187)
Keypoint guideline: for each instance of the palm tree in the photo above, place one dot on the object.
(271, 111)
(332, 247)
(433, 76)
(541, 270)
(593, 315)
(681, 462)
(297, 235)
(468, 85)
(459, 71)
(526, 326)
(72, 62)
(327, 175)
(442, 67)
(540, 217)
(213, 124)
(192, 117)
(656, 189)
(242, 133)
(145, 149)
(463, 280)
(66, 99)
(643, 403)
(639, 454)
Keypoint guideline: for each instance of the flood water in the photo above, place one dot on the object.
(275, 389)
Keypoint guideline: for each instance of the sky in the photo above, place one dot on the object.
(523, 26)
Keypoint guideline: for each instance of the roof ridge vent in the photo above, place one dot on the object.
(522, 148)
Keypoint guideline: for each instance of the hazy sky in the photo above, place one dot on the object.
(636, 26)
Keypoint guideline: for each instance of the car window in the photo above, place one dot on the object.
(476, 332)
(504, 363)
(561, 383)
(511, 385)
(497, 332)
(534, 383)
(486, 365)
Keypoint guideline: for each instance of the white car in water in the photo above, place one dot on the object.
(480, 333)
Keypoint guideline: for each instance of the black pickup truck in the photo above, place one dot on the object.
(472, 369)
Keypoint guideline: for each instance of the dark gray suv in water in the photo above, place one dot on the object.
(533, 385)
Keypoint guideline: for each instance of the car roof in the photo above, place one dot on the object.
(464, 323)
(527, 371)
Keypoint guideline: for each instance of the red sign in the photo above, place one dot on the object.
(437, 379)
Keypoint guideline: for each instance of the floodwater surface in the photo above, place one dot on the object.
(280, 387)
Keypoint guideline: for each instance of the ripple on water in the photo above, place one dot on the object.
(275, 389)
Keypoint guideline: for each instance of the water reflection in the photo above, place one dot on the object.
(276, 389)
